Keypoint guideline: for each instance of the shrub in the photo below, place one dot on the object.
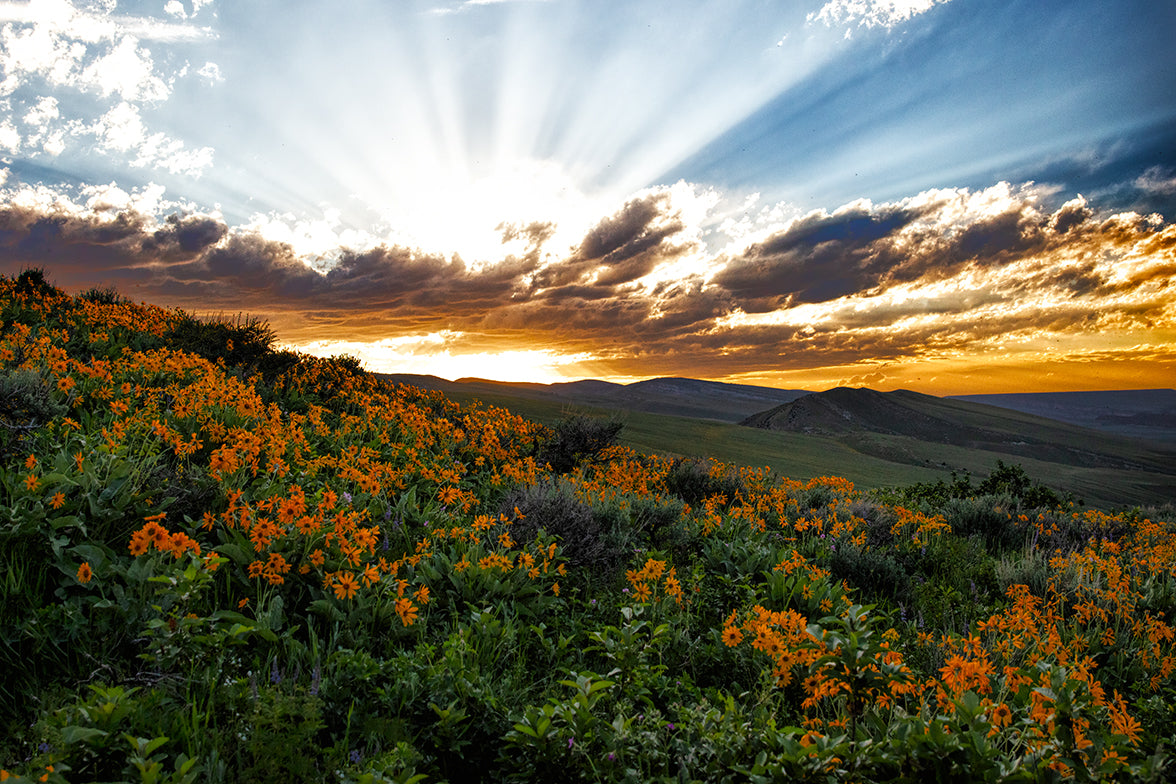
(26, 403)
(578, 438)
(694, 479)
(587, 537)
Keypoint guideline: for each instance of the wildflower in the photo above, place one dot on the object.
(140, 542)
(31, 462)
(31, 482)
(571, 742)
(85, 574)
(406, 610)
(241, 604)
(732, 636)
(555, 588)
(346, 586)
(58, 500)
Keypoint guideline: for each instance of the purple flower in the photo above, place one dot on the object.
(356, 756)
(346, 497)
(670, 726)
(571, 742)
(612, 757)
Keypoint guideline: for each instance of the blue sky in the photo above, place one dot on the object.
(942, 195)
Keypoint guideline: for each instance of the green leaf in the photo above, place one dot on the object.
(71, 734)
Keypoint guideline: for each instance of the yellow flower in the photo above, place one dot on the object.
(555, 588)
(31, 462)
(58, 500)
(732, 636)
(31, 482)
(85, 574)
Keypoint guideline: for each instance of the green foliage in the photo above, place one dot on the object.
(578, 438)
(26, 403)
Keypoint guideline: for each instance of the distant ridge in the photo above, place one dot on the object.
(687, 397)
(860, 416)
(1138, 413)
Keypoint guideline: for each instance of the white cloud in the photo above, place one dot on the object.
(127, 70)
(122, 130)
(9, 137)
(872, 13)
(1157, 180)
(48, 45)
(43, 113)
(211, 72)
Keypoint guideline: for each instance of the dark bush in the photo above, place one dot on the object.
(692, 479)
(874, 572)
(26, 403)
(588, 537)
(239, 342)
(104, 295)
(1013, 481)
(988, 518)
(578, 438)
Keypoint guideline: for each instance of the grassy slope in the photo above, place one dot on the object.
(877, 460)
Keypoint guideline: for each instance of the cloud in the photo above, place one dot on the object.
(1157, 180)
(102, 68)
(944, 275)
(871, 13)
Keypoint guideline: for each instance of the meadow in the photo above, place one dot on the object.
(224, 562)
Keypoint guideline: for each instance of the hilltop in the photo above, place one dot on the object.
(221, 561)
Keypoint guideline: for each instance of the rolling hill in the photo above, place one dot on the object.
(1137, 413)
(686, 397)
(917, 429)
(872, 438)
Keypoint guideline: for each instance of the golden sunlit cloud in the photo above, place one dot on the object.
(441, 355)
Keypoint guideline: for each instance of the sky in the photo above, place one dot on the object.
(951, 196)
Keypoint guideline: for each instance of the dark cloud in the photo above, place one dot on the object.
(937, 275)
(623, 247)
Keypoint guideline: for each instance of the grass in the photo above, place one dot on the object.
(873, 460)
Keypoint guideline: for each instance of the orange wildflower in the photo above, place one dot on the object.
(85, 574)
(732, 636)
(346, 585)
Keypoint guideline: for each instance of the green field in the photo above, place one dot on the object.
(873, 460)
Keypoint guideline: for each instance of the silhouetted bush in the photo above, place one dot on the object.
(578, 438)
(104, 295)
(1012, 480)
(239, 342)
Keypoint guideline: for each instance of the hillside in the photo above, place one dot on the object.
(909, 427)
(1137, 413)
(225, 562)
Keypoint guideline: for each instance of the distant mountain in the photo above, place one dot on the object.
(891, 423)
(686, 397)
(1138, 413)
